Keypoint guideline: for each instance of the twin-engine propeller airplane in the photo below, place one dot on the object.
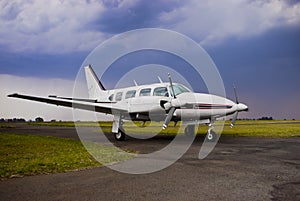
(155, 102)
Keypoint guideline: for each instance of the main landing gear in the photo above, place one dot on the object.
(117, 128)
(120, 135)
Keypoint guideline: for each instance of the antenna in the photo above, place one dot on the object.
(159, 79)
(135, 83)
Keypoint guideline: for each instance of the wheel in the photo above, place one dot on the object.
(120, 135)
(189, 131)
(211, 135)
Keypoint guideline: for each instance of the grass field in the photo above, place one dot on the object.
(29, 155)
(264, 129)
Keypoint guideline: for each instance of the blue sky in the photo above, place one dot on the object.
(254, 44)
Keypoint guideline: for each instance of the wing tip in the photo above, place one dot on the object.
(13, 95)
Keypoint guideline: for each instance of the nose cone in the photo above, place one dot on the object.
(242, 107)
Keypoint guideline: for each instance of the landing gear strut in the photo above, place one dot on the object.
(117, 128)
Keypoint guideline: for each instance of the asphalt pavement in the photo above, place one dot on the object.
(239, 168)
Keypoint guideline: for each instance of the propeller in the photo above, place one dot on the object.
(236, 98)
(171, 84)
(236, 113)
(169, 117)
(234, 119)
(172, 108)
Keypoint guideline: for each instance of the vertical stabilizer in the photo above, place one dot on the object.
(95, 87)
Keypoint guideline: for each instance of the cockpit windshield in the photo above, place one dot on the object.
(179, 89)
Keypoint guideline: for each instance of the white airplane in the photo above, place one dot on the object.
(155, 102)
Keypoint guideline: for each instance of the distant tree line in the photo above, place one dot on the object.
(266, 118)
(38, 119)
(13, 120)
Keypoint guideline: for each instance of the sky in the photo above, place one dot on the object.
(254, 44)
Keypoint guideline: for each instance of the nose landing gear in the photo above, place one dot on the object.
(211, 135)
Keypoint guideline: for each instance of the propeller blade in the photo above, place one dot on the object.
(171, 85)
(169, 117)
(234, 119)
(236, 98)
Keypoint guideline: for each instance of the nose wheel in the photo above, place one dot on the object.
(211, 135)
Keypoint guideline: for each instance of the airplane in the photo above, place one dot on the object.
(163, 101)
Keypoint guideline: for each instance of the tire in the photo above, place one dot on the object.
(120, 135)
(211, 136)
(189, 131)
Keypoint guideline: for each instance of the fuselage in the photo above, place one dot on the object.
(151, 102)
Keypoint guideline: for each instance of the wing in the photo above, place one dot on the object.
(84, 104)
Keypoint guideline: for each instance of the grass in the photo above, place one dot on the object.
(5, 125)
(30, 155)
(267, 129)
(71, 123)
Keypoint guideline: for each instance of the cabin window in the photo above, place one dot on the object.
(161, 91)
(111, 97)
(145, 92)
(130, 94)
(119, 96)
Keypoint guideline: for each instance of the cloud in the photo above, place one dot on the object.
(48, 26)
(213, 21)
(133, 15)
(57, 26)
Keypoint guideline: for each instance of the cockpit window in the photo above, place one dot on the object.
(130, 94)
(111, 97)
(161, 91)
(179, 89)
(145, 92)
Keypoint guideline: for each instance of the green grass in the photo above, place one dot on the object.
(71, 123)
(29, 155)
(267, 129)
(6, 125)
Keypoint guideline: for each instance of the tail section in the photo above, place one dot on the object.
(95, 88)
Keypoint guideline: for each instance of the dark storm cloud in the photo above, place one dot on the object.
(140, 14)
(276, 52)
(292, 2)
(41, 65)
(265, 69)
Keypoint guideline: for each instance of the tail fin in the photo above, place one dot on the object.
(95, 87)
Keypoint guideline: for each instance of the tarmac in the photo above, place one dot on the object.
(239, 168)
